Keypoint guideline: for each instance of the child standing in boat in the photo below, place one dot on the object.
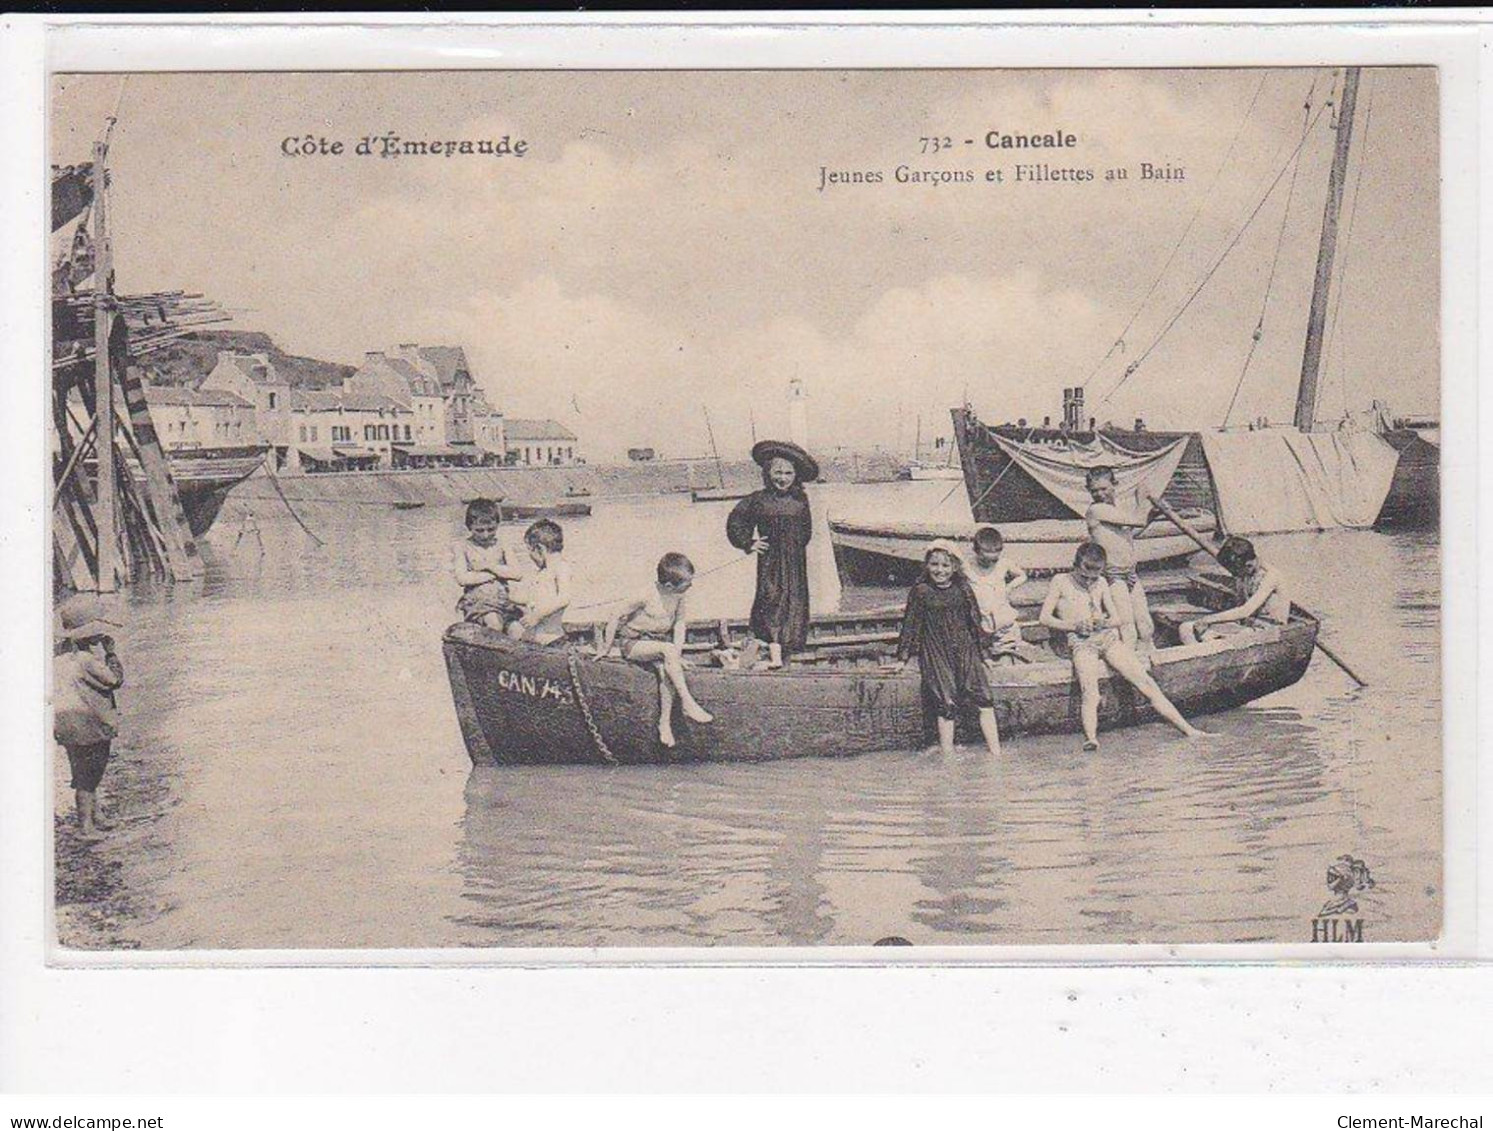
(483, 571)
(1259, 589)
(1113, 524)
(544, 594)
(774, 523)
(992, 580)
(1080, 608)
(651, 632)
(941, 627)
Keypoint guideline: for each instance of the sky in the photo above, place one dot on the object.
(664, 247)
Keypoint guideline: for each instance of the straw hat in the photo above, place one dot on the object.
(83, 617)
(765, 451)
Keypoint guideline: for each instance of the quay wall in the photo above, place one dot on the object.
(548, 484)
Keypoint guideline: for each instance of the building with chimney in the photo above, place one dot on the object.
(435, 383)
(254, 378)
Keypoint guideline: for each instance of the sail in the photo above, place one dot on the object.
(1061, 470)
(1278, 481)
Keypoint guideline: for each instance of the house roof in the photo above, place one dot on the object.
(516, 429)
(333, 400)
(257, 367)
(194, 398)
(445, 361)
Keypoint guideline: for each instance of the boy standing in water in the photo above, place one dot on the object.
(85, 719)
(651, 632)
(1113, 526)
(482, 569)
(1080, 605)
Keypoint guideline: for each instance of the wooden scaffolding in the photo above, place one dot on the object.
(117, 514)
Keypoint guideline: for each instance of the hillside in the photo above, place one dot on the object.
(190, 359)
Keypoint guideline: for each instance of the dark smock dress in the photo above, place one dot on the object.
(942, 629)
(780, 613)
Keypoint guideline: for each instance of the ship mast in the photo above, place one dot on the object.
(1311, 361)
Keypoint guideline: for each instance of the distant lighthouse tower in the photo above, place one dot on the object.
(798, 414)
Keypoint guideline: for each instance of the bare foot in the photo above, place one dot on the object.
(1090, 745)
(697, 713)
(1194, 732)
(666, 735)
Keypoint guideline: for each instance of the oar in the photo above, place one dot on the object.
(1186, 528)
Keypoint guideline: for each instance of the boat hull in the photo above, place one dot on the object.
(1414, 498)
(522, 704)
(892, 554)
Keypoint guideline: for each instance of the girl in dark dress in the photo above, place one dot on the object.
(941, 627)
(774, 523)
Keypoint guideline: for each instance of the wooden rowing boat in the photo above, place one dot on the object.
(891, 553)
(522, 703)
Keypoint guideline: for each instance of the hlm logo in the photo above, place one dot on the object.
(1345, 879)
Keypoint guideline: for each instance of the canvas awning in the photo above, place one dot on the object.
(435, 451)
(1062, 470)
(320, 455)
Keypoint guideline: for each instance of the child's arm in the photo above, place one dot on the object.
(465, 577)
(1048, 617)
(1112, 618)
(681, 625)
(619, 618)
(1015, 578)
(1269, 583)
(1113, 514)
(909, 640)
(103, 672)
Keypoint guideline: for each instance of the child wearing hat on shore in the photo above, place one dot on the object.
(941, 627)
(775, 524)
(85, 674)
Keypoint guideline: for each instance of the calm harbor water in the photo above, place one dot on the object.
(291, 774)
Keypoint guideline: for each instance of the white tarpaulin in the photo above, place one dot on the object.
(1062, 469)
(1271, 482)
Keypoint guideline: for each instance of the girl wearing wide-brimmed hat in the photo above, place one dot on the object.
(774, 523)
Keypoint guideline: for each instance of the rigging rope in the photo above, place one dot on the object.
(1156, 282)
(1208, 275)
(1259, 330)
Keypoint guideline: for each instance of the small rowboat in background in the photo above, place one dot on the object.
(526, 704)
(567, 509)
(885, 553)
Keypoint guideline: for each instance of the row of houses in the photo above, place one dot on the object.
(415, 406)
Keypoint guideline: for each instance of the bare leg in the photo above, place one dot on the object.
(1188, 630)
(667, 655)
(1129, 667)
(1125, 610)
(493, 621)
(87, 802)
(515, 629)
(945, 735)
(1145, 627)
(774, 655)
(665, 706)
(1087, 667)
(989, 729)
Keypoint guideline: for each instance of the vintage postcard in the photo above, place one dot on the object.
(515, 509)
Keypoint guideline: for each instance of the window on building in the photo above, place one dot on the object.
(406, 432)
(369, 432)
(314, 430)
(274, 400)
(383, 431)
(302, 433)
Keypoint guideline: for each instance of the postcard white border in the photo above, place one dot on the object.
(1455, 45)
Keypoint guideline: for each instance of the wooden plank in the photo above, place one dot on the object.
(106, 580)
(183, 562)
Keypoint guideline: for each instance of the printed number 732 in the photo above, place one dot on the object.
(934, 144)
